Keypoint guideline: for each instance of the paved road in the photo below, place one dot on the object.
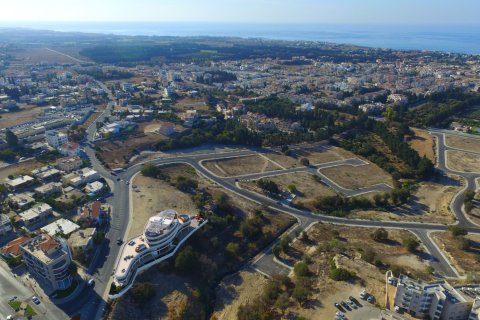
(92, 299)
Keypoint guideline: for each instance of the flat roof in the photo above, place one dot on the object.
(60, 226)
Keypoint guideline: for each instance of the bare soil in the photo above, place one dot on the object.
(240, 166)
(38, 55)
(25, 114)
(463, 161)
(357, 177)
(465, 143)
(308, 189)
(464, 261)
(21, 168)
(424, 143)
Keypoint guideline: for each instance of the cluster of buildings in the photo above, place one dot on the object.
(260, 122)
(437, 300)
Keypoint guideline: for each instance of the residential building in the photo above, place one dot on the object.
(94, 187)
(48, 189)
(46, 173)
(435, 300)
(37, 213)
(61, 226)
(81, 241)
(12, 249)
(81, 177)
(70, 149)
(162, 236)
(93, 213)
(56, 138)
(21, 201)
(19, 182)
(48, 260)
(5, 225)
(69, 163)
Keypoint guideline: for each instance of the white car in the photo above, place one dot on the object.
(10, 317)
(91, 282)
(35, 300)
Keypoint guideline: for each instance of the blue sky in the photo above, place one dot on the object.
(269, 11)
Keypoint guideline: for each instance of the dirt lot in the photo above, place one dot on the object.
(19, 168)
(25, 114)
(191, 104)
(423, 143)
(240, 166)
(314, 155)
(37, 55)
(308, 189)
(465, 143)
(464, 261)
(357, 177)
(240, 288)
(463, 161)
(430, 203)
(117, 152)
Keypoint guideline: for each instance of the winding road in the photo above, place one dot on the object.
(90, 301)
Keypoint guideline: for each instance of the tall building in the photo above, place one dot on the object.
(162, 236)
(48, 260)
(56, 138)
(435, 300)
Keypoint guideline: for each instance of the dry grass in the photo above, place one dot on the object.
(424, 144)
(27, 113)
(308, 189)
(465, 143)
(236, 290)
(21, 168)
(38, 55)
(240, 166)
(357, 177)
(464, 261)
(463, 161)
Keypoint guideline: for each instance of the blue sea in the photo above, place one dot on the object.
(447, 38)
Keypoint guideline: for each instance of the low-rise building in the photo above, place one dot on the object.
(19, 182)
(81, 177)
(46, 173)
(70, 163)
(21, 201)
(61, 226)
(5, 225)
(94, 187)
(81, 241)
(39, 212)
(48, 189)
(12, 249)
(70, 149)
(48, 259)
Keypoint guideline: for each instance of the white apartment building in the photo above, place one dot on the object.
(81, 177)
(48, 260)
(70, 164)
(436, 300)
(36, 214)
(5, 225)
(56, 138)
(162, 237)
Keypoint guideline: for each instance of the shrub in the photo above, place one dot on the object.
(457, 231)
(380, 235)
(276, 250)
(340, 274)
(143, 292)
(301, 269)
(411, 244)
(368, 255)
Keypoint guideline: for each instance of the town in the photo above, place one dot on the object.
(336, 185)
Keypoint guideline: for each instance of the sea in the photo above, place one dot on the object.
(446, 38)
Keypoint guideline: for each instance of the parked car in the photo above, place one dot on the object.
(36, 300)
(131, 243)
(339, 307)
(91, 282)
(345, 305)
(364, 295)
(351, 304)
(354, 300)
(119, 241)
(140, 248)
(370, 299)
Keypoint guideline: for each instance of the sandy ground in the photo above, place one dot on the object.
(153, 126)
(240, 165)
(241, 288)
(25, 114)
(464, 143)
(463, 161)
(464, 261)
(308, 189)
(37, 55)
(154, 196)
(357, 177)
(315, 156)
(424, 144)
(19, 168)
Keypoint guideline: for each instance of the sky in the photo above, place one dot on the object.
(248, 11)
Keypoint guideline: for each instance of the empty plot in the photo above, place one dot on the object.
(465, 143)
(357, 177)
(424, 143)
(464, 260)
(463, 161)
(240, 166)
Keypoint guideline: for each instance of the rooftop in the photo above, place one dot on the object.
(13, 247)
(45, 248)
(60, 226)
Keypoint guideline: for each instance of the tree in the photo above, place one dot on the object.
(11, 139)
(368, 255)
(292, 188)
(221, 199)
(232, 249)
(340, 274)
(271, 291)
(300, 292)
(143, 292)
(186, 260)
(457, 231)
(284, 243)
(305, 162)
(277, 249)
(411, 244)
(463, 243)
(150, 170)
(380, 235)
(300, 269)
